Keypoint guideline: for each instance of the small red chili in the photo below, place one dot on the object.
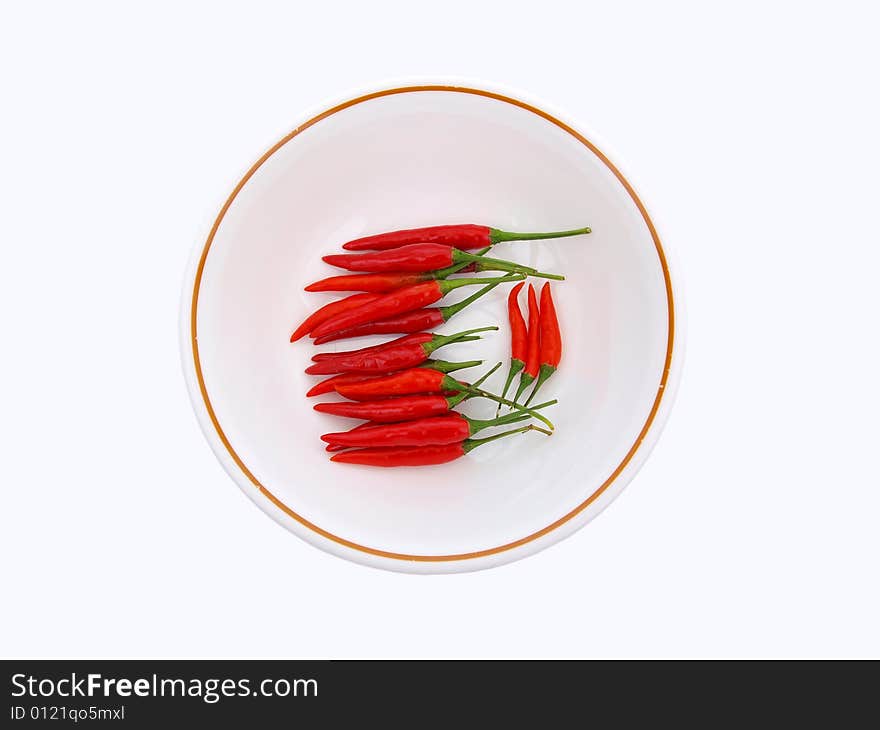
(399, 301)
(425, 257)
(416, 321)
(390, 410)
(329, 385)
(533, 350)
(420, 319)
(463, 236)
(331, 310)
(420, 455)
(518, 332)
(389, 359)
(416, 338)
(376, 283)
(448, 429)
(551, 340)
(415, 381)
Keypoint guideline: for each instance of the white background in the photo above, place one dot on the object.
(752, 132)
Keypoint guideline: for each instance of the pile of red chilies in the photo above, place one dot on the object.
(407, 399)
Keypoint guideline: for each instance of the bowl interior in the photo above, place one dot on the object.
(415, 159)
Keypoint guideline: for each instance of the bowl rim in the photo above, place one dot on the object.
(563, 526)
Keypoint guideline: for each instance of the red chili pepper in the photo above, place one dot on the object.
(420, 319)
(331, 310)
(390, 410)
(398, 357)
(464, 236)
(425, 257)
(551, 340)
(416, 338)
(410, 382)
(518, 332)
(329, 385)
(409, 407)
(387, 282)
(398, 302)
(448, 429)
(415, 381)
(551, 337)
(533, 350)
(420, 455)
(378, 283)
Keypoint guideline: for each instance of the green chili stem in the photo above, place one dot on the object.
(515, 366)
(477, 424)
(443, 366)
(499, 236)
(447, 285)
(484, 263)
(542, 275)
(492, 396)
(440, 340)
(454, 269)
(452, 309)
(525, 380)
(543, 374)
(471, 444)
(463, 394)
(488, 264)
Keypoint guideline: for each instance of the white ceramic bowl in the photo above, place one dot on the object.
(415, 156)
